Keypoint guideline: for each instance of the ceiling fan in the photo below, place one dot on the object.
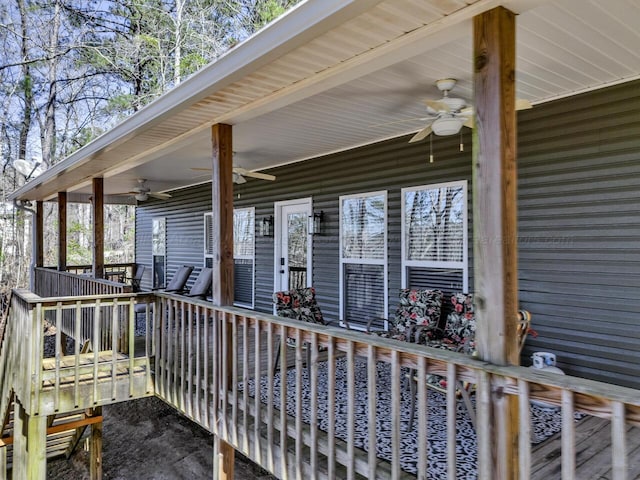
(240, 173)
(141, 192)
(449, 114)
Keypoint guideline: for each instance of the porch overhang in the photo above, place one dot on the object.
(333, 75)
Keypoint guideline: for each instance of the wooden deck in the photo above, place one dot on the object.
(593, 434)
(593, 452)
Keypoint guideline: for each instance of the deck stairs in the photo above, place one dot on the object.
(64, 432)
(69, 390)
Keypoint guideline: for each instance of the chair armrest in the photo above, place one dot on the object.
(372, 321)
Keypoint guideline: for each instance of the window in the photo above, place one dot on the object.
(159, 251)
(363, 257)
(243, 253)
(434, 237)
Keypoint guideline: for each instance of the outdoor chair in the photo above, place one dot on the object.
(176, 285)
(179, 280)
(137, 277)
(298, 304)
(458, 335)
(201, 286)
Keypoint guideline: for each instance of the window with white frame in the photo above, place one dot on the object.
(363, 257)
(434, 237)
(159, 252)
(243, 253)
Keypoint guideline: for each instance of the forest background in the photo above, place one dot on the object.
(69, 71)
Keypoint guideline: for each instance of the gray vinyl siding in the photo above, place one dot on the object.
(579, 210)
(579, 223)
(185, 230)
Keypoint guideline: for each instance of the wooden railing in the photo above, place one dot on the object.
(216, 366)
(54, 283)
(105, 364)
(112, 271)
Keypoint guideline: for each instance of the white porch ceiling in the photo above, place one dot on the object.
(370, 64)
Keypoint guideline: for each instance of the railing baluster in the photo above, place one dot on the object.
(423, 417)
(524, 440)
(225, 375)
(115, 336)
(270, 400)
(193, 316)
(372, 378)
(298, 402)
(331, 408)
(96, 347)
(234, 376)
(199, 353)
(183, 356)
(215, 381)
(618, 441)
(483, 427)
(245, 389)
(257, 422)
(568, 437)
(313, 407)
(283, 403)
(58, 354)
(451, 420)
(208, 365)
(396, 380)
(76, 352)
(130, 319)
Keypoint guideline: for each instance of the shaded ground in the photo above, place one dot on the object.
(147, 439)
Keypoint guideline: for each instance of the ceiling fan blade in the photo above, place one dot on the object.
(466, 111)
(470, 122)
(201, 169)
(437, 105)
(261, 176)
(248, 173)
(522, 104)
(424, 133)
(158, 195)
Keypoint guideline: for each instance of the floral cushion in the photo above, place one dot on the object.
(417, 315)
(460, 329)
(298, 304)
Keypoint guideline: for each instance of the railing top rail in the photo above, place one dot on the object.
(32, 299)
(84, 277)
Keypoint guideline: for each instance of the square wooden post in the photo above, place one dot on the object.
(62, 231)
(98, 227)
(495, 230)
(95, 446)
(30, 445)
(222, 285)
(39, 236)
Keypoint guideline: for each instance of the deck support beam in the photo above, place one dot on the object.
(98, 227)
(95, 445)
(30, 445)
(495, 228)
(222, 286)
(62, 231)
(39, 235)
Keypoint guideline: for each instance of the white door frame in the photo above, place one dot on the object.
(304, 204)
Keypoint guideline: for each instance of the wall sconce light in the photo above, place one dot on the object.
(315, 223)
(266, 226)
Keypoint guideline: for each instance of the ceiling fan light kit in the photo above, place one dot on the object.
(446, 126)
